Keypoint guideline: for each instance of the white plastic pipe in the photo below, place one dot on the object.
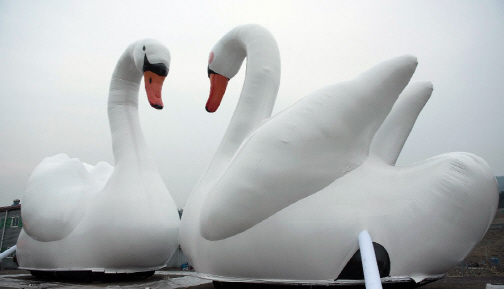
(7, 252)
(369, 265)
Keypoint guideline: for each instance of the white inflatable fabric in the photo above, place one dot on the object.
(285, 198)
(105, 219)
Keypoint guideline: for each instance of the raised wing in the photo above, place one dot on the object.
(303, 149)
(57, 195)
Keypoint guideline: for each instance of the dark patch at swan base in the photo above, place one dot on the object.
(353, 269)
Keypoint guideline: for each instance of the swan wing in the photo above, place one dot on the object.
(303, 149)
(57, 195)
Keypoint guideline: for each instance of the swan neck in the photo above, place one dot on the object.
(258, 95)
(128, 143)
(257, 98)
(260, 88)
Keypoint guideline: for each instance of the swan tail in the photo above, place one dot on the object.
(393, 133)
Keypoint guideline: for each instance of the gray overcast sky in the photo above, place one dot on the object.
(57, 58)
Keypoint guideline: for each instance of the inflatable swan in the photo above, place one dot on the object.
(285, 198)
(77, 217)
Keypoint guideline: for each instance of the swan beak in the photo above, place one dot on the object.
(218, 84)
(153, 86)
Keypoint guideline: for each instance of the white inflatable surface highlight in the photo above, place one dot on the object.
(285, 198)
(82, 217)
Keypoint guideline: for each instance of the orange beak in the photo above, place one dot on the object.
(153, 87)
(218, 84)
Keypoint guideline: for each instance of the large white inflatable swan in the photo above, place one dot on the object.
(285, 198)
(115, 220)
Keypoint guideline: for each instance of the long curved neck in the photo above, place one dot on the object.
(128, 142)
(258, 95)
(256, 102)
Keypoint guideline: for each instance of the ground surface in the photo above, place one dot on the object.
(467, 283)
(162, 279)
(186, 279)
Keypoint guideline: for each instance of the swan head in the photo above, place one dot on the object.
(153, 59)
(224, 62)
(263, 61)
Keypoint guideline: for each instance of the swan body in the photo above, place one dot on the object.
(101, 218)
(285, 197)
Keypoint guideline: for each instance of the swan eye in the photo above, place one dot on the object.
(144, 48)
(210, 57)
(150, 80)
